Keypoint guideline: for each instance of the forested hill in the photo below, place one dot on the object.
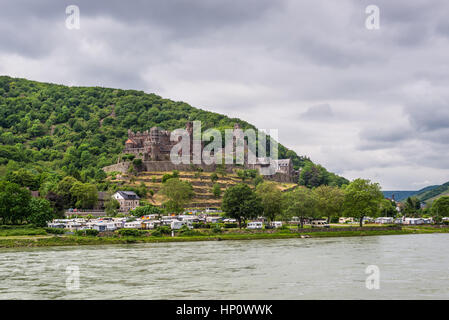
(78, 130)
(426, 194)
(434, 193)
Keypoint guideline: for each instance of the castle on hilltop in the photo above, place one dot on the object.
(154, 147)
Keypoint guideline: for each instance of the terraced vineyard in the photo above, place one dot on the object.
(202, 186)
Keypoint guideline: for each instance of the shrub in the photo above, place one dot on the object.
(216, 190)
(146, 210)
(214, 177)
(164, 229)
(54, 230)
(156, 233)
(230, 225)
(217, 229)
(185, 231)
(166, 176)
(137, 163)
(87, 232)
(201, 225)
(129, 232)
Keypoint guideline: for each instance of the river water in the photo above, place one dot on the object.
(409, 267)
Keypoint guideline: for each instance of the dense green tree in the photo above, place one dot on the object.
(412, 205)
(40, 212)
(240, 202)
(177, 193)
(301, 203)
(440, 207)
(147, 210)
(63, 189)
(84, 194)
(329, 201)
(14, 202)
(362, 199)
(387, 208)
(271, 198)
(111, 207)
(313, 175)
(24, 178)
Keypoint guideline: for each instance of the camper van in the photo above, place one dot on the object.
(254, 225)
(319, 224)
(276, 224)
(176, 224)
(345, 220)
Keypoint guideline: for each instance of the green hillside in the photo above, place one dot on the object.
(55, 130)
(402, 195)
(434, 193)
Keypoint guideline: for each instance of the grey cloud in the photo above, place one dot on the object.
(264, 60)
(429, 115)
(318, 112)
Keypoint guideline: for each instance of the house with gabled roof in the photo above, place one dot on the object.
(128, 200)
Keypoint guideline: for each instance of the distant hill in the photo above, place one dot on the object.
(424, 194)
(434, 193)
(399, 195)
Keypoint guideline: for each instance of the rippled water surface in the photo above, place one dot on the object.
(411, 267)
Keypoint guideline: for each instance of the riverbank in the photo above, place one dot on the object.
(72, 240)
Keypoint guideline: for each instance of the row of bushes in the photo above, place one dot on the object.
(202, 225)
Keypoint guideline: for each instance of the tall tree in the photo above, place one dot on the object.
(387, 208)
(329, 201)
(85, 195)
(240, 202)
(63, 189)
(271, 198)
(177, 193)
(14, 202)
(412, 205)
(362, 199)
(440, 207)
(40, 212)
(301, 203)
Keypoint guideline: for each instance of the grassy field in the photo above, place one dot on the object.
(13, 241)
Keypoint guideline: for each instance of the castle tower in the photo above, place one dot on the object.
(155, 143)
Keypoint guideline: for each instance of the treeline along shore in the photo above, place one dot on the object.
(42, 238)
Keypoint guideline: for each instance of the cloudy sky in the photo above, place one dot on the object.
(363, 103)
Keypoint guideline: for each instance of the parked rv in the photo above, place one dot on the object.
(276, 224)
(254, 225)
(176, 224)
(319, 224)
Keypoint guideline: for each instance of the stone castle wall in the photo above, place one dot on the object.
(119, 167)
(157, 166)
